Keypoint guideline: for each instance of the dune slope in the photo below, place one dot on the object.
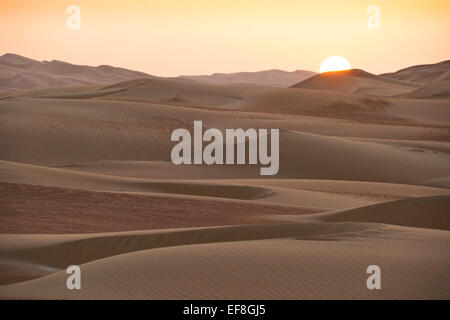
(297, 260)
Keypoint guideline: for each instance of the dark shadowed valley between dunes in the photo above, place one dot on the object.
(86, 178)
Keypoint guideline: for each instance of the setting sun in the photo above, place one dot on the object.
(334, 63)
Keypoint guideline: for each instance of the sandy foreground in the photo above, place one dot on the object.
(86, 179)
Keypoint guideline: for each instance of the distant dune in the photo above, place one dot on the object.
(268, 78)
(436, 89)
(356, 81)
(17, 72)
(421, 74)
(423, 81)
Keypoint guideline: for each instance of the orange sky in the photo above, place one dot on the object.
(168, 37)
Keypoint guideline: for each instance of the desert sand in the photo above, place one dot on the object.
(18, 72)
(268, 78)
(86, 178)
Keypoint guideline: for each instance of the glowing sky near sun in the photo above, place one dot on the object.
(170, 37)
(334, 63)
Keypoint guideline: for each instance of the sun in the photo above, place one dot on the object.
(334, 63)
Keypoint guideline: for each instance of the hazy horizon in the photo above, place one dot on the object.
(212, 73)
(171, 39)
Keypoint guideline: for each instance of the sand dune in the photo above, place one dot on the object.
(432, 212)
(256, 107)
(23, 73)
(60, 210)
(305, 102)
(312, 194)
(436, 89)
(180, 92)
(296, 257)
(443, 182)
(356, 81)
(268, 269)
(420, 74)
(327, 157)
(267, 78)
